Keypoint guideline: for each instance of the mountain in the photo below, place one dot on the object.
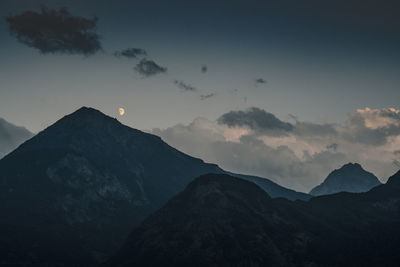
(73, 192)
(349, 178)
(219, 220)
(11, 136)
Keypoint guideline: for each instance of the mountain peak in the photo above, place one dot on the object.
(351, 177)
(87, 110)
(89, 114)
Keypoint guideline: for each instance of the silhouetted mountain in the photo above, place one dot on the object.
(11, 137)
(224, 221)
(349, 178)
(72, 193)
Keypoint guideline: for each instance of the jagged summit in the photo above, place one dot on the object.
(351, 177)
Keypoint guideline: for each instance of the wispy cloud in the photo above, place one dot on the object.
(204, 97)
(149, 68)
(131, 53)
(184, 86)
(260, 81)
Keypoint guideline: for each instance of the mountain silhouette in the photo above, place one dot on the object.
(220, 220)
(73, 192)
(350, 177)
(11, 136)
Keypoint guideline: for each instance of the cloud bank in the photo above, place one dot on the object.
(297, 155)
(55, 31)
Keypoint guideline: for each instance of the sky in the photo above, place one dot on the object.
(217, 79)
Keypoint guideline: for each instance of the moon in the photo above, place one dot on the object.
(121, 111)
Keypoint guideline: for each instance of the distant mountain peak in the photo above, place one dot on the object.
(351, 177)
(11, 136)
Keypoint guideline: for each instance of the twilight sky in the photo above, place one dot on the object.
(274, 88)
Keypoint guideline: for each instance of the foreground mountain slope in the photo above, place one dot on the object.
(349, 178)
(11, 137)
(223, 221)
(82, 184)
(219, 220)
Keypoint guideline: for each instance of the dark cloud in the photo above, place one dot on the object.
(131, 53)
(258, 120)
(55, 31)
(204, 69)
(149, 68)
(204, 97)
(333, 146)
(184, 86)
(397, 152)
(260, 81)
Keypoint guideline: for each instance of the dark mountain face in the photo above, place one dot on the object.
(349, 178)
(224, 221)
(218, 220)
(73, 192)
(11, 137)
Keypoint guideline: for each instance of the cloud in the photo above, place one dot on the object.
(314, 129)
(149, 68)
(333, 146)
(204, 69)
(55, 31)
(297, 155)
(204, 97)
(260, 81)
(256, 119)
(184, 86)
(372, 126)
(239, 151)
(131, 53)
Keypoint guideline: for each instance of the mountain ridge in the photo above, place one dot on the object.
(219, 221)
(88, 179)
